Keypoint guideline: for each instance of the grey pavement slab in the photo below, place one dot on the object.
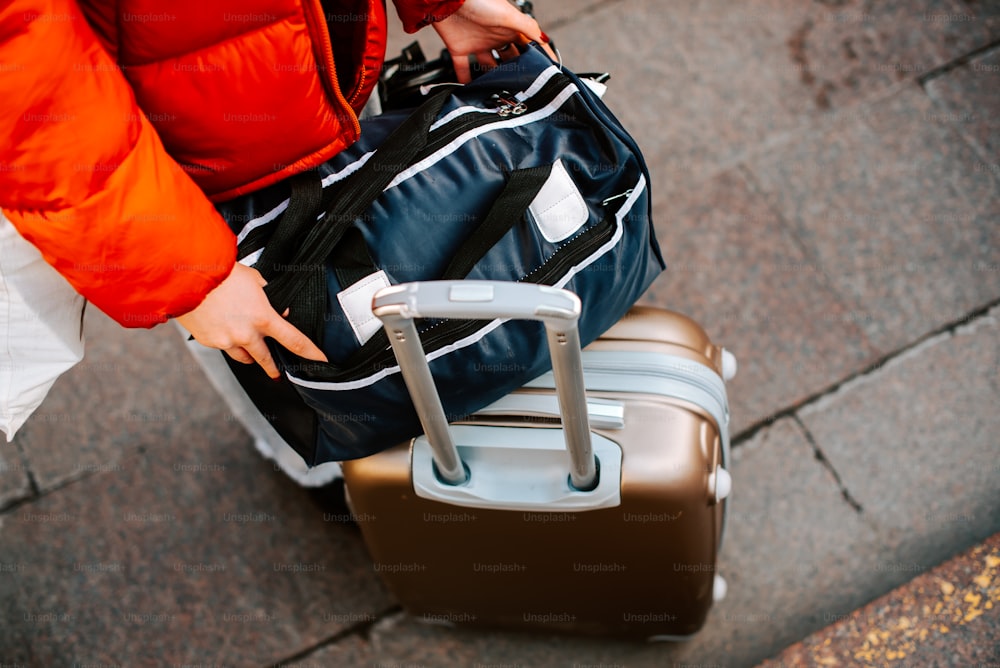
(734, 267)
(792, 555)
(968, 97)
(894, 211)
(795, 550)
(917, 444)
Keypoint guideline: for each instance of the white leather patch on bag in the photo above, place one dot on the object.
(357, 304)
(559, 209)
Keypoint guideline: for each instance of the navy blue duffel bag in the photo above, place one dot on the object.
(522, 175)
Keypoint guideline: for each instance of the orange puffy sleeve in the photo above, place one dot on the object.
(84, 177)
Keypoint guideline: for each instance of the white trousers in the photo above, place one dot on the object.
(41, 328)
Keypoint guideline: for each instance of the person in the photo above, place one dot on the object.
(123, 124)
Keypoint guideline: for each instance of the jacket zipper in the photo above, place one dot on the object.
(314, 15)
(357, 91)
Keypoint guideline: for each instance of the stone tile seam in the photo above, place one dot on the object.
(828, 465)
(826, 122)
(990, 317)
(955, 63)
(968, 323)
(870, 373)
(12, 503)
(361, 629)
(820, 399)
(26, 465)
(974, 319)
(37, 494)
(818, 126)
(23, 491)
(83, 474)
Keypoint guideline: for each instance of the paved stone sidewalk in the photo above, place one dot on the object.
(826, 181)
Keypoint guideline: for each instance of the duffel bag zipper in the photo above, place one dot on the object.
(378, 355)
(547, 273)
(508, 105)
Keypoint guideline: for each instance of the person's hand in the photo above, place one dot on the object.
(236, 316)
(481, 26)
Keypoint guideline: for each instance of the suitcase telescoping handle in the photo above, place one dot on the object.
(558, 309)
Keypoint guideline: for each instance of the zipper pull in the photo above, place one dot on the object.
(508, 105)
(618, 196)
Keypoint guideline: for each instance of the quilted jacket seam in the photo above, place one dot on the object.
(214, 45)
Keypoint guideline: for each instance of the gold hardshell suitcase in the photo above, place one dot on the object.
(538, 513)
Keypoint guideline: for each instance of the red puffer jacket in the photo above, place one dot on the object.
(121, 119)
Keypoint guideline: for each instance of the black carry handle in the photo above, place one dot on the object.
(358, 192)
(519, 192)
